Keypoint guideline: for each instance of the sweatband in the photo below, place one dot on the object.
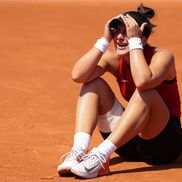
(135, 43)
(102, 45)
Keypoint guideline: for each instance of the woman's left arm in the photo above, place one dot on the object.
(161, 66)
(150, 76)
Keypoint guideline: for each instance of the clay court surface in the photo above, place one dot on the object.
(39, 43)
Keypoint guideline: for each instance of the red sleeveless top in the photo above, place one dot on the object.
(168, 90)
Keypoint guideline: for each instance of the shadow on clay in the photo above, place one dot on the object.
(174, 165)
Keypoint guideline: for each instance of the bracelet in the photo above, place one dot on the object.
(102, 45)
(135, 43)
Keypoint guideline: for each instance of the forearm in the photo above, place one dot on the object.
(85, 66)
(88, 67)
(140, 70)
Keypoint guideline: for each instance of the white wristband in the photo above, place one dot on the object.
(135, 43)
(102, 45)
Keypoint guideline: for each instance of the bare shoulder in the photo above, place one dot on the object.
(164, 54)
(164, 59)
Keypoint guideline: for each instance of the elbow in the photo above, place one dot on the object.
(77, 78)
(144, 82)
(141, 85)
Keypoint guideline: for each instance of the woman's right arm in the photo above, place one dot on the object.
(89, 66)
(93, 64)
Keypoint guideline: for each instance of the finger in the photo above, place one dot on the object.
(124, 18)
(129, 22)
(116, 17)
(143, 26)
(131, 19)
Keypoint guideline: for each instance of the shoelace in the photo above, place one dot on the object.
(89, 157)
(70, 154)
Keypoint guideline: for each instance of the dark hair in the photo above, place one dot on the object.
(142, 15)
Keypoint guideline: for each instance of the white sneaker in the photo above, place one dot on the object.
(71, 158)
(91, 166)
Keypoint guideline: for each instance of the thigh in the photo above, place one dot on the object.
(98, 91)
(96, 97)
(165, 147)
(158, 114)
(128, 151)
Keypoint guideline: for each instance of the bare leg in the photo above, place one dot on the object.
(146, 114)
(95, 98)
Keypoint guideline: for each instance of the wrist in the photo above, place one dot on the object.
(135, 43)
(107, 38)
(102, 45)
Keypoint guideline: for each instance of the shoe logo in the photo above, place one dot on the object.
(90, 167)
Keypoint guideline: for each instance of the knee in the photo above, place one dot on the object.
(94, 85)
(143, 99)
(145, 96)
(100, 88)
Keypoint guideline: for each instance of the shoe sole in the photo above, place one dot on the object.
(84, 176)
(91, 175)
(102, 172)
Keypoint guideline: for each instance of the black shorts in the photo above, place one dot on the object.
(164, 148)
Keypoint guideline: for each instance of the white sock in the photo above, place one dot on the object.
(106, 148)
(82, 140)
